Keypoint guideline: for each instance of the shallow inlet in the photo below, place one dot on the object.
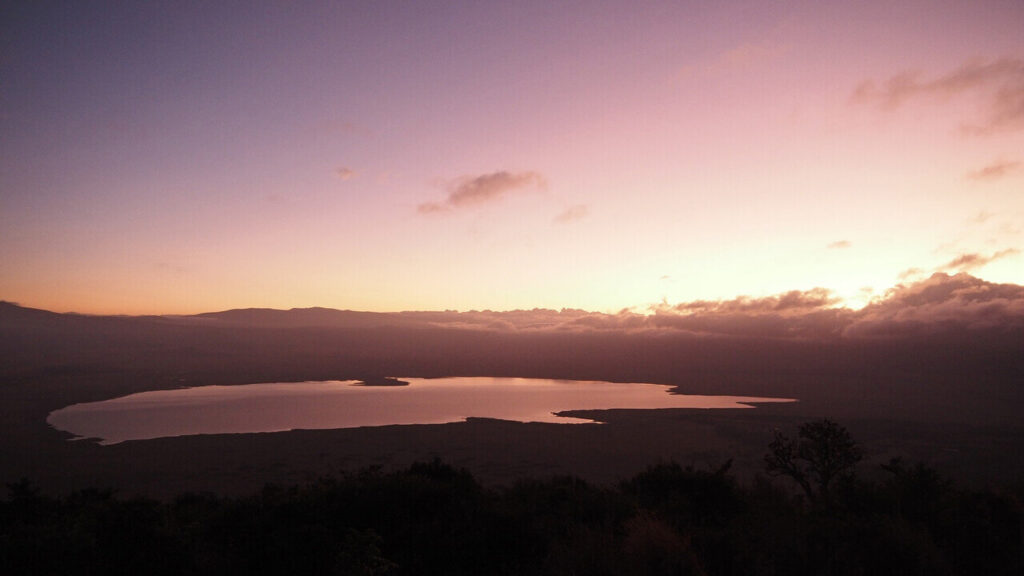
(277, 407)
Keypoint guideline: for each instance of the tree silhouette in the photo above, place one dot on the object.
(822, 452)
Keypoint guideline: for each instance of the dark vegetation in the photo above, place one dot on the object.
(432, 518)
(823, 453)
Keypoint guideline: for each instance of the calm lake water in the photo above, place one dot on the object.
(346, 404)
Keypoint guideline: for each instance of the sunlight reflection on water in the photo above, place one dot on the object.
(276, 407)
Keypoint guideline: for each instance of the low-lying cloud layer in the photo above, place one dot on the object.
(951, 305)
(954, 308)
(471, 191)
(940, 304)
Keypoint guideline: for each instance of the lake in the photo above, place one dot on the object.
(276, 407)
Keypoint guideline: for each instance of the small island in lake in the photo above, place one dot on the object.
(381, 381)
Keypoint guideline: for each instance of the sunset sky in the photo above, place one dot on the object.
(187, 157)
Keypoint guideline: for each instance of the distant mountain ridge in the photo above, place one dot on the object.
(942, 305)
(296, 317)
(11, 310)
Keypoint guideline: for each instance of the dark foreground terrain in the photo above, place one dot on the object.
(432, 518)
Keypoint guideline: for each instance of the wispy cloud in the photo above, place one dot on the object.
(1000, 81)
(910, 273)
(346, 173)
(967, 262)
(471, 191)
(993, 171)
(980, 217)
(839, 244)
(572, 214)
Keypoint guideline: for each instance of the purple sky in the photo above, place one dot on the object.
(179, 157)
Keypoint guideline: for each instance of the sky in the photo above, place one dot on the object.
(180, 157)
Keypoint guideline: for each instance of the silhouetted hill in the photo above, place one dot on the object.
(296, 317)
(13, 313)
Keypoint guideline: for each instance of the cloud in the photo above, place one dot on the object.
(793, 314)
(959, 310)
(346, 173)
(572, 214)
(909, 272)
(942, 304)
(792, 301)
(840, 244)
(993, 171)
(981, 217)
(967, 262)
(1001, 82)
(953, 306)
(471, 191)
(431, 207)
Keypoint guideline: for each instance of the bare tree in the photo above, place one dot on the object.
(822, 452)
